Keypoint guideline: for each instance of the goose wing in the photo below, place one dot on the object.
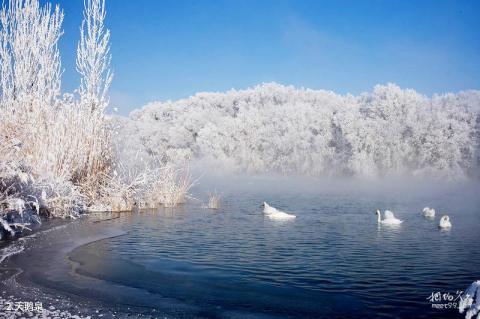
(269, 209)
(281, 215)
(286, 215)
(429, 211)
(389, 215)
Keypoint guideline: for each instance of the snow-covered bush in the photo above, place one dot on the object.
(214, 200)
(56, 151)
(122, 190)
(169, 187)
(281, 129)
(58, 146)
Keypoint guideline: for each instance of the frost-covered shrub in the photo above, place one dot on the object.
(281, 129)
(62, 144)
(169, 187)
(56, 151)
(214, 200)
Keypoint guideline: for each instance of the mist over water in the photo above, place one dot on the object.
(272, 128)
(392, 186)
(332, 261)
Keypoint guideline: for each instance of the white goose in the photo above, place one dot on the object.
(429, 212)
(274, 213)
(445, 222)
(389, 218)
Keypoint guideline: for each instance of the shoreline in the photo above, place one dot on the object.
(20, 289)
(15, 246)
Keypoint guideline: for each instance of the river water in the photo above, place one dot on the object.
(332, 261)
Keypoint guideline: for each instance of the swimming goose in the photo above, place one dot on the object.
(274, 213)
(428, 212)
(445, 222)
(389, 218)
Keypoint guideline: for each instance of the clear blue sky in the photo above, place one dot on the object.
(168, 49)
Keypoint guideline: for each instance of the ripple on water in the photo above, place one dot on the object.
(332, 260)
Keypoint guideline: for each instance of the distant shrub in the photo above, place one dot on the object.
(214, 200)
(169, 188)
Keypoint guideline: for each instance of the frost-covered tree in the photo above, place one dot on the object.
(55, 151)
(93, 56)
(52, 144)
(30, 66)
(281, 129)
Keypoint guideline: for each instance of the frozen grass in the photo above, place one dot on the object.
(170, 187)
(62, 152)
(214, 200)
(144, 188)
(123, 188)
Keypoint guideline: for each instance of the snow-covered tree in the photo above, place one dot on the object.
(281, 129)
(30, 67)
(93, 56)
(50, 143)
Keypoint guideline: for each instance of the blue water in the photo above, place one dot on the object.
(333, 260)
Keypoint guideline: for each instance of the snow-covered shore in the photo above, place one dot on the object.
(11, 302)
(47, 248)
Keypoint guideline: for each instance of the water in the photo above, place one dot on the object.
(332, 261)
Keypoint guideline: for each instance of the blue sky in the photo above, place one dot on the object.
(169, 49)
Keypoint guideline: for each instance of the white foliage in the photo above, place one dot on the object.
(55, 151)
(214, 200)
(169, 187)
(93, 56)
(30, 66)
(276, 128)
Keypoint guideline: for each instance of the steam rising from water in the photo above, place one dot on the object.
(278, 129)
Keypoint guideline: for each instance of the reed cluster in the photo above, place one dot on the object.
(56, 150)
(214, 200)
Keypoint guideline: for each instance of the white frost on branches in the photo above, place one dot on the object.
(93, 56)
(56, 152)
(56, 141)
(30, 66)
(273, 128)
